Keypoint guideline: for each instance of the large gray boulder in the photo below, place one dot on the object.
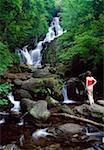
(95, 111)
(70, 128)
(100, 102)
(38, 73)
(76, 89)
(40, 111)
(11, 147)
(21, 93)
(27, 104)
(47, 85)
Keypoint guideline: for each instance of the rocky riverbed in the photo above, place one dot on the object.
(44, 122)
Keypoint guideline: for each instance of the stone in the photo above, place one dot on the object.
(40, 111)
(70, 128)
(100, 102)
(11, 147)
(67, 109)
(76, 89)
(32, 83)
(95, 110)
(22, 94)
(51, 85)
(27, 104)
(18, 82)
(51, 101)
(41, 72)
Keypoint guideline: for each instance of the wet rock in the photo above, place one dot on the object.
(76, 89)
(40, 111)
(90, 148)
(25, 68)
(13, 76)
(18, 82)
(32, 84)
(41, 72)
(51, 101)
(100, 102)
(94, 110)
(67, 109)
(53, 147)
(11, 147)
(27, 104)
(51, 85)
(70, 128)
(19, 94)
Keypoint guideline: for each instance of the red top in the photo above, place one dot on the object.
(90, 82)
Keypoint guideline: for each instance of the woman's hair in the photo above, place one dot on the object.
(88, 73)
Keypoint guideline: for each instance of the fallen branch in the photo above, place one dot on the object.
(78, 119)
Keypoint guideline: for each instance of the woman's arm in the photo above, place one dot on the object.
(95, 81)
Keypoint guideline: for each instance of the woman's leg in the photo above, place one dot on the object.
(90, 95)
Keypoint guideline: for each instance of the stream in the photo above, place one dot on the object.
(20, 130)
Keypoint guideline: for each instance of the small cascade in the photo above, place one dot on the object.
(40, 133)
(2, 121)
(50, 36)
(34, 57)
(27, 56)
(16, 104)
(66, 99)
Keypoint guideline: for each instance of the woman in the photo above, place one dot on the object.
(90, 82)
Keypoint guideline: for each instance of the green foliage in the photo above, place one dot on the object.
(84, 23)
(40, 90)
(5, 57)
(5, 88)
(21, 20)
(3, 102)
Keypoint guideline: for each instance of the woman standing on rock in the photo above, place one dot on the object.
(90, 82)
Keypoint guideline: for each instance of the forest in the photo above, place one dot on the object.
(40, 86)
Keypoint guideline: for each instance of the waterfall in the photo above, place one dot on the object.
(41, 133)
(34, 57)
(16, 107)
(66, 99)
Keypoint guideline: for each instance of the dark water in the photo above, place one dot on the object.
(11, 132)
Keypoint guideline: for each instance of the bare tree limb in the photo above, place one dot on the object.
(78, 119)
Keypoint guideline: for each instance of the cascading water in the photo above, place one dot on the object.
(16, 104)
(34, 57)
(40, 133)
(66, 99)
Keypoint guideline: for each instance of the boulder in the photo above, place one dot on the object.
(19, 94)
(32, 84)
(76, 89)
(13, 76)
(70, 128)
(38, 73)
(100, 102)
(95, 111)
(47, 85)
(18, 82)
(67, 109)
(11, 147)
(51, 101)
(27, 104)
(40, 111)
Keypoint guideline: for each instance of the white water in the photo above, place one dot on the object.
(2, 121)
(66, 99)
(34, 57)
(40, 133)
(16, 107)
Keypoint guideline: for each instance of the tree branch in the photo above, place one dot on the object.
(78, 119)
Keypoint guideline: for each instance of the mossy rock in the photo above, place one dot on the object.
(51, 85)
